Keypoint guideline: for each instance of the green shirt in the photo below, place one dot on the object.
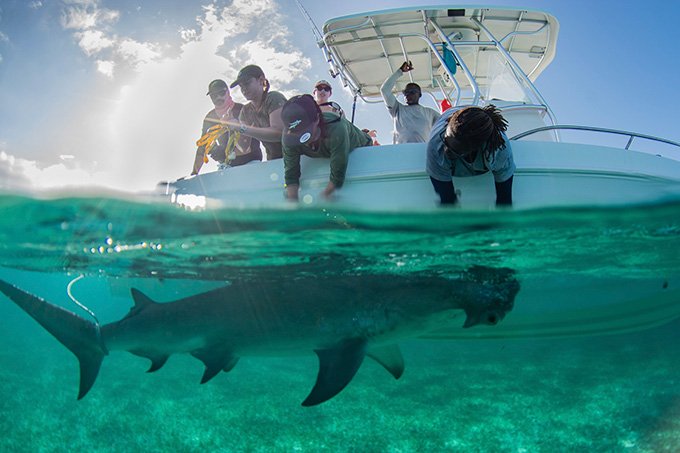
(259, 117)
(339, 138)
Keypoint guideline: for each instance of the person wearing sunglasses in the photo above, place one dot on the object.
(225, 109)
(322, 93)
(412, 122)
(470, 141)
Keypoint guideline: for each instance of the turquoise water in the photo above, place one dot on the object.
(587, 360)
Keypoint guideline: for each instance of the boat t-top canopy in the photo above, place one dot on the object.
(467, 54)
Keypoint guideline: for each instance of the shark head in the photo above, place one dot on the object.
(494, 295)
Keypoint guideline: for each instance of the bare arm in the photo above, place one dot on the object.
(386, 89)
(264, 134)
(388, 85)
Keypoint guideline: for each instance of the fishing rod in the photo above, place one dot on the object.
(318, 37)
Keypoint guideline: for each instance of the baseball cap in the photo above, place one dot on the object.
(247, 72)
(216, 86)
(323, 83)
(299, 115)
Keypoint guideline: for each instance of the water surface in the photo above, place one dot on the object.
(536, 382)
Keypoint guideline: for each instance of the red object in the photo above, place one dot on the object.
(445, 105)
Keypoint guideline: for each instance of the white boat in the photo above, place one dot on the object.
(466, 56)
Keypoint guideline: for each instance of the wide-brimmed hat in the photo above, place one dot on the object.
(216, 86)
(299, 114)
(247, 72)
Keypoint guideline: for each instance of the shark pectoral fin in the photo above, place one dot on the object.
(80, 336)
(337, 367)
(230, 365)
(215, 361)
(157, 360)
(390, 358)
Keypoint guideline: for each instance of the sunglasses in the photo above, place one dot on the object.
(323, 88)
(218, 94)
(410, 91)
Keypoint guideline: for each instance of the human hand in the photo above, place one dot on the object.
(406, 66)
(292, 192)
(328, 191)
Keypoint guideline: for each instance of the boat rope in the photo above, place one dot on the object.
(90, 312)
(209, 140)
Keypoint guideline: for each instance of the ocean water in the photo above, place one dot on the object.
(587, 360)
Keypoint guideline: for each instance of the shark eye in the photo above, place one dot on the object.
(492, 319)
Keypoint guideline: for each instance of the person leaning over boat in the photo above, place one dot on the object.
(313, 133)
(225, 109)
(322, 93)
(467, 142)
(412, 122)
(261, 117)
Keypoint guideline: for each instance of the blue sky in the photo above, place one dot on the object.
(112, 93)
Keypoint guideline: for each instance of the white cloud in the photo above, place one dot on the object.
(280, 66)
(93, 41)
(92, 25)
(86, 15)
(136, 52)
(35, 5)
(3, 37)
(27, 175)
(188, 34)
(106, 67)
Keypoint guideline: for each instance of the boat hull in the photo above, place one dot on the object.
(393, 178)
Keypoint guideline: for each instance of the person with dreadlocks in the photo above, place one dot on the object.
(261, 117)
(309, 131)
(215, 140)
(468, 142)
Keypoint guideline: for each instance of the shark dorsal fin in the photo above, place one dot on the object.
(141, 302)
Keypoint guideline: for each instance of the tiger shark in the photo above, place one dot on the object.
(342, 319)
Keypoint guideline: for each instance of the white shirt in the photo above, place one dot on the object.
(412, 123)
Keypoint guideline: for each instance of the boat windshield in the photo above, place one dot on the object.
(496, 80)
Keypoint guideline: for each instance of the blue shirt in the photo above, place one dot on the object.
(500, 162)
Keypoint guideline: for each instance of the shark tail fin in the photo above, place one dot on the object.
(80, 336)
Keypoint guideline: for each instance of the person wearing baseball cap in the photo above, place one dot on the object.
(260, 118)
(309, 131)
(322, 92)
(225, 109)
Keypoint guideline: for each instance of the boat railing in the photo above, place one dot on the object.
(631, 135)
